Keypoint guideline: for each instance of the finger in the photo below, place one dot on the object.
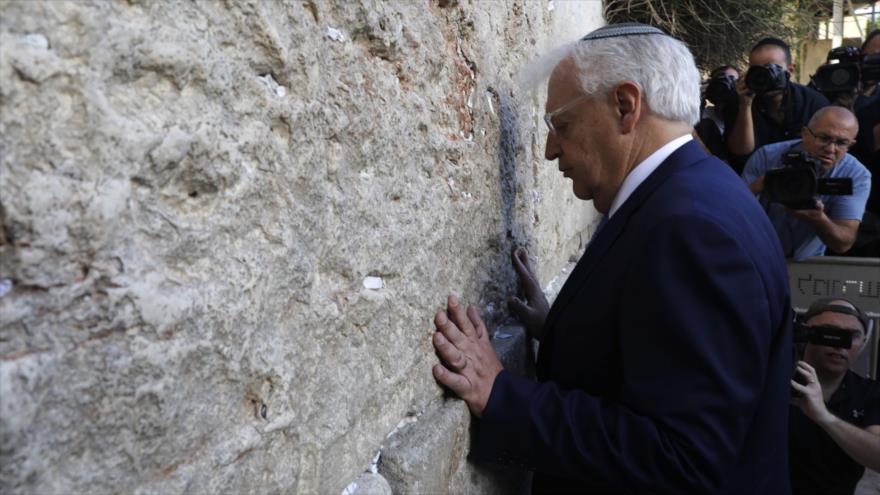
(523, 257)
(518, 264)
(450, 331)
(453, 381)
(479, 327)
(459, 317)
(807, 366)
(519, 308)
(797, 386)
(448, 353)
(522, 264)
(527, 276)
(805, 373)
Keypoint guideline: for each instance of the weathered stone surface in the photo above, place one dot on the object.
(430, 454)
(369, 484)
(226, 226)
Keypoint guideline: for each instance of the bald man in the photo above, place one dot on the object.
(834, 220)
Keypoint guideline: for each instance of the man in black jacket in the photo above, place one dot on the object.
(776, 112)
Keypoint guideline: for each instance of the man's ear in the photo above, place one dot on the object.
(628, 101)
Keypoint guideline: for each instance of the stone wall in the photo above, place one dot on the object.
(225, 226)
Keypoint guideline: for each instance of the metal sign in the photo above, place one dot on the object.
(856, 279)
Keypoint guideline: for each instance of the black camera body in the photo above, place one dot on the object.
(802, 334)
(841, 72)
(870, 68)
(721, 89)
(763, 79)
(822, 335)
(797, 183)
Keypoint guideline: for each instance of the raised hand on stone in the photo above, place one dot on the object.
(468, 364)
(532, 310)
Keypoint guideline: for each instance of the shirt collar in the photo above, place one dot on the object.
(641, 171)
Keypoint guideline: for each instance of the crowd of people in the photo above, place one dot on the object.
(667, 361)
(762, 121)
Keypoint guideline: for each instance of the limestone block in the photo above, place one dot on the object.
(225, 226)
(369, 484)
(430, 455)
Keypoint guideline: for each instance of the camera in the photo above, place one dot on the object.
(839, 338)
(841, 72)
(870, 68)
(765, 78)
(830, 336)
(797, 183)
(721, 89)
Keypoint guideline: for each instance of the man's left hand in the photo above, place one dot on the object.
(812, 402)
(468, 364)
(811, 215)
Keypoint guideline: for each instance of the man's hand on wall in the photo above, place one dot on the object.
(468, 364)
(531, 311)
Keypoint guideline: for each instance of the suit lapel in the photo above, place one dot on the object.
(681, 158)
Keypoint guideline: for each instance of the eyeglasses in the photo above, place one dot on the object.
(548, 117)
(825, 140)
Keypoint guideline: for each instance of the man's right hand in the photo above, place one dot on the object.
(531, 311)
(745, 94)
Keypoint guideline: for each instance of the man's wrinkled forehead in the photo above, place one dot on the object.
(563, 84)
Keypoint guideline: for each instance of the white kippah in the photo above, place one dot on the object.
(624, 29)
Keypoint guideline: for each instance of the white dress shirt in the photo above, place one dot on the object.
(643, 170)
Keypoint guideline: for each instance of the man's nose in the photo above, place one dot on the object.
(551, 149)
(831, 145)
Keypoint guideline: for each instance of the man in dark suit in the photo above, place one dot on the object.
(665, 361)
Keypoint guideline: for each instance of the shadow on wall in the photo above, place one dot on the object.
(508, 143)
(499, 279)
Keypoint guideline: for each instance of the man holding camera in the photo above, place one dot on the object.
(720, 91)
(771, 107)
(832, 220)
(834, 425)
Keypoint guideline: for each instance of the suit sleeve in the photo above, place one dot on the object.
(695, 336)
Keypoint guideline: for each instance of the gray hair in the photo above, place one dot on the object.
(662, 66)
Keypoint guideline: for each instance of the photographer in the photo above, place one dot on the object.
(834, 219)
(867, 147)
(839, 78)
(834, 424)
(871, 46)
(771, 108)
(720, 91)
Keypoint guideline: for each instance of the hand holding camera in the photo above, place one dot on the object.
(797, 183)
(745, 94)
(810, 398)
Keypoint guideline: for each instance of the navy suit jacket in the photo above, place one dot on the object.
(666, 360)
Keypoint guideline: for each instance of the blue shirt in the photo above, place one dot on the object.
(798, 238)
